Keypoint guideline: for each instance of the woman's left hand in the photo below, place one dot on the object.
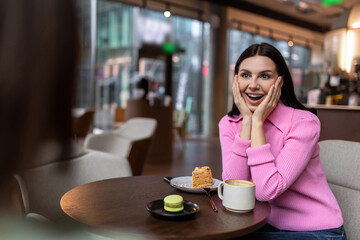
(270, 102)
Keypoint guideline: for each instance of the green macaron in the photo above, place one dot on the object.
(173, 203)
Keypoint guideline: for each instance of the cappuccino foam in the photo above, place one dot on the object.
(240, 183)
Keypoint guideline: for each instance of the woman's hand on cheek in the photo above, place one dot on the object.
(277, 93)
(269, 103)
(239, 100)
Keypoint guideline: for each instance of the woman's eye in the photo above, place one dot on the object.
(244, 75)
(265, 76)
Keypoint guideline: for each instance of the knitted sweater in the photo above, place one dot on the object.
(286, 170)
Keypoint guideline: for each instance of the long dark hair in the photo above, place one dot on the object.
(288, 96)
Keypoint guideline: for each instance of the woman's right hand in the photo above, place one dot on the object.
(239, 100)
(245, 132)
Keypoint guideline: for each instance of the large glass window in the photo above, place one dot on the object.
(114, 59)
(122, 31)
(297, 58)
(187, 72)
(300, 56)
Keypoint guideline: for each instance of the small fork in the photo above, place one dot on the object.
(207, 190)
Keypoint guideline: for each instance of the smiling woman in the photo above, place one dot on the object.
(271, 139)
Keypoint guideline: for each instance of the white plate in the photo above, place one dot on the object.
(185, 184)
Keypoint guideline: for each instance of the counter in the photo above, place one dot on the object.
(339, 121)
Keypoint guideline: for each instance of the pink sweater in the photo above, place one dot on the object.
(287, 170)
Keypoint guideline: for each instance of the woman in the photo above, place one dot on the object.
(270, 138)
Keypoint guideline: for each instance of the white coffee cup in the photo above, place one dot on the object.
(237, 195)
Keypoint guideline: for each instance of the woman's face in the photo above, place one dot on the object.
(256, 75)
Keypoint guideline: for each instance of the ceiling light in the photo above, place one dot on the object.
(354, 17)
(167, 12)
(345, 30)
(348, 19)
(304, 7)
(290, 42)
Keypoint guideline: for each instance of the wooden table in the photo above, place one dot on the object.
(120, 203)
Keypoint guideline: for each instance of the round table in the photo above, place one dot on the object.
(120, 203)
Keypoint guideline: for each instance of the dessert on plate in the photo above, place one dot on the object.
(202, 177)
(173, 203)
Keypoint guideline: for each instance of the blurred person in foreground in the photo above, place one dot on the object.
(39, 51)
(38, 58)
(270, 138)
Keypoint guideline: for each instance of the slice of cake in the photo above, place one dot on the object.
(202, 177)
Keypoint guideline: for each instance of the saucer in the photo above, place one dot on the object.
(156, 208)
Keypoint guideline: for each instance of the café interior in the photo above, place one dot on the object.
(155, 78)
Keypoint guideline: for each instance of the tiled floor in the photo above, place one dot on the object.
(195, 151)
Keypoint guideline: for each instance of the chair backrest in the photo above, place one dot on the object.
(43, 186)
(162, 147)
(132, 141)
(119, 114)
(137, 128)
(140, 151)
(109, 142)
(341, 163)
(82, 123)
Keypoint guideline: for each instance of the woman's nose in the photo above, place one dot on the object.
(253, 83)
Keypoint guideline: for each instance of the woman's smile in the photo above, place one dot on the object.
(254, 97)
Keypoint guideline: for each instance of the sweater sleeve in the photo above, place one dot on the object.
(233, 150)
(273, 176)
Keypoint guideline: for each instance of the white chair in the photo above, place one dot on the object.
(137, 128)
(341, 163)
(132, 141)
(42, 186)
